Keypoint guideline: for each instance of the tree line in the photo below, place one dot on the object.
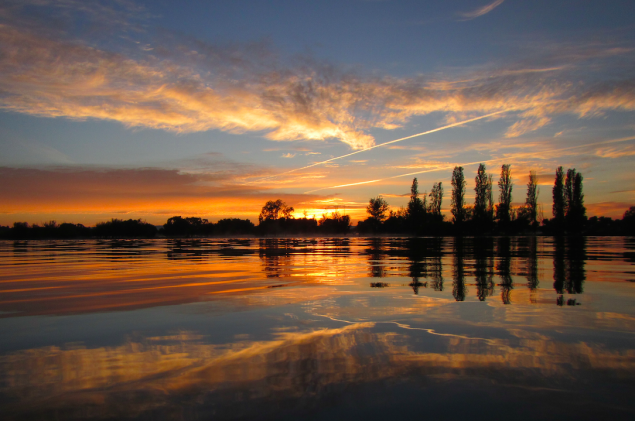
(422, 216)
(176, 226)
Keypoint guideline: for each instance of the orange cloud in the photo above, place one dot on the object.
(610, 209)
(154, 193)
(189, 86)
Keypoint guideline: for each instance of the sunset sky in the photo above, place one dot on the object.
(151, 109)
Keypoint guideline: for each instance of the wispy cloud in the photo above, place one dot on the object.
(395, 195)
(185, 85)
(288, 155)
(518, 157)
(481, 10)
(616, 152)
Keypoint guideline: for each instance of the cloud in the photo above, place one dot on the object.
(184, 85)
(395, 195)
(610, 209)
(146, 191)
(288, 155)
(616, 151)
(481, 10)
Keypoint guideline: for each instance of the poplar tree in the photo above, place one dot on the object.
(490, 199)
(416, 207)
(568, 192)
(482, 193)
(558, 197)
(575, 212)
(505, 186)
(436, 199)
(458, 195)
(531, 203)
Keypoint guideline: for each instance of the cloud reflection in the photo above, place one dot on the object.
(166, 372)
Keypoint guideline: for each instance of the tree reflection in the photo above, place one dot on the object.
(274, 252)
(569, 259)
(531, 268)
(576, 258)
(376, 257)
(483, 263)
(417, 269)
(417, 253)
(503, 268)
(459, 290)
(435, 267)
(559, 265)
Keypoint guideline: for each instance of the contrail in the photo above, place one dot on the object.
(523, 155)
(460, 123)
(395, 176)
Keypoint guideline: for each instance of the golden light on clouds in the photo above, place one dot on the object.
(52, 77)
(125, 71)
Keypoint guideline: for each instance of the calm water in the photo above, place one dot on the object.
(494, 328)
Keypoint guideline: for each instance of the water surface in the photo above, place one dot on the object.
(494, 328)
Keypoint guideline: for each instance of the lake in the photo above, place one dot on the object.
(326, 328)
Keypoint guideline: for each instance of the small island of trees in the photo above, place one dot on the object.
(421, 217)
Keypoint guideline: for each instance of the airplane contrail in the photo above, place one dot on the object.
(460, 123)
(443, 167)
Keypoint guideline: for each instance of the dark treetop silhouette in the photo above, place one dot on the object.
(421, 217)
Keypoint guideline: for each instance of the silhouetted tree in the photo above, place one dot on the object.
(436, 200)
(398, 222)
(575, 213)
(482, 211)
(416, 207)
(20, 230)
(178, 226)
(377, 208)
(458, 195)
(66, 230)
(132, 228)
(528, 213)
(490, 199)
(628, 221)
(335, 224)
(558, 199)
(505, 185)
(480, 198)
(531, 202)
(233, 226)
(272, 211)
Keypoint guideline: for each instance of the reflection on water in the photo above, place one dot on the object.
(163, 372)
(82, 276)
(318, 328)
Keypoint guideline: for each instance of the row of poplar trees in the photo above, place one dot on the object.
(568, 203)
(485, 214)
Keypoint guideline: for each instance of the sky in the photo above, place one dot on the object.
(153, 109)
